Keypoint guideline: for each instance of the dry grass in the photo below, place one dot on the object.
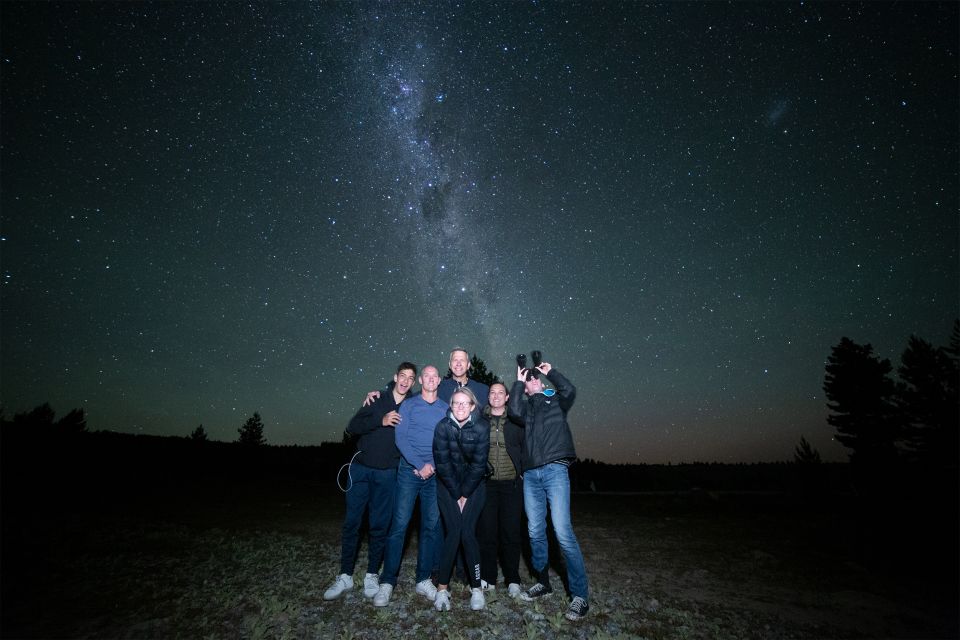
(245, 563)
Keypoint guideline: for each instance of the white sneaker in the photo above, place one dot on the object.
(487, 587)
(341, 584)
(442, 601)
(427, 590)
(513, 590)
(477, 601)
(371, 584)
(382, 598)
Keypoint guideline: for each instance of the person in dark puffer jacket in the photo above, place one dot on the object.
(547, 454)
(461, 444)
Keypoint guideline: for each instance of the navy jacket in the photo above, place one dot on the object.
(377, 443)
(449, 386)
(458, 476)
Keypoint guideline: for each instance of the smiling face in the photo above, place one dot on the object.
(461, 405)
(459, 363)
(430, 379)
(498, 396)
(404, 380)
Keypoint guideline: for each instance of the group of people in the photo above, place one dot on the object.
(478, 457)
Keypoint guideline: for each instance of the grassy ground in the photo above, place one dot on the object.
(232, 561)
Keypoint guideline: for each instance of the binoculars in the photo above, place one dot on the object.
(537, 358)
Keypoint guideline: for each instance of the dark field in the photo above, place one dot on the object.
(241, 555)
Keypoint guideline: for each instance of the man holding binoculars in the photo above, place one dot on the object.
(548, 452)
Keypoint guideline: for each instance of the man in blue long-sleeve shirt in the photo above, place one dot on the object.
(415, 478)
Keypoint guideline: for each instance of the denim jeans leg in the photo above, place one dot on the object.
(430, 539)
(383, 488)
(535, 504)
(408, 486)
(557, 486)
(356, 501)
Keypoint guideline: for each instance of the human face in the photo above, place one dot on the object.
(461, 406)
(498, 396)
(430, 379)
(404, 380)
(459, 363)
(533, 386)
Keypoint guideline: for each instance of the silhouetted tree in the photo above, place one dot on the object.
(251, 432)
(40, 416)
(478, 372)
(927, 398)
(73, 423)
(806, 454)
(199, 434)
(861, 401)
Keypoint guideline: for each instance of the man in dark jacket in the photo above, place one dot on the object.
(548, 452)
(373, 482)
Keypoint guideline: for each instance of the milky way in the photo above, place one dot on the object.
(214, 209)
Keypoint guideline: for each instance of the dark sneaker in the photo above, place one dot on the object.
(578, 609)
(536, 591)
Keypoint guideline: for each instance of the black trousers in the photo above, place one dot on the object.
(501, 530)
(461, 528)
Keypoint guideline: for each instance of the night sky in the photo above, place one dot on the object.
(215, 209)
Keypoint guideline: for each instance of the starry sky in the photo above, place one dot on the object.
(214, 209)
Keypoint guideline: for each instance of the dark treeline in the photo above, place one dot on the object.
(53, 452)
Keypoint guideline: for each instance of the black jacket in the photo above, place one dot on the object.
(547, 436)
(377, 444)
(458, 476)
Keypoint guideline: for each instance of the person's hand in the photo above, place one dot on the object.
(371, 397)
(426, 471)
(391, 419)
(544, 368)
(521, 376)
(462, 502)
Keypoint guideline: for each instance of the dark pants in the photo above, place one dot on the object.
(501, 530)
(373, 489)
(461, 530)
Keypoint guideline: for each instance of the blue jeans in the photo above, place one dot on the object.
(409, 487)
(373, 488)
(550, 484)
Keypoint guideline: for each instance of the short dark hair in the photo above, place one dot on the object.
(407, 365)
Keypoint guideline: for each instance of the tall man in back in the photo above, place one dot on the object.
(548, 452)
(416, 477)
(459, 377)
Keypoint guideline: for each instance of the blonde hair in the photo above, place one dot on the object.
(467, 392)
